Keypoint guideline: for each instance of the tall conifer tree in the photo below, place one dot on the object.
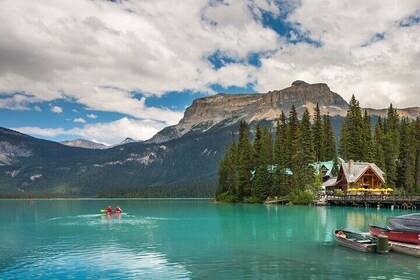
(281, 152)
(244, 162)
(391, 146)
(377, 145)
(303, 173)
(329, 139)
(368, 151)
(318, 132)
(351, 139)
(407, 157)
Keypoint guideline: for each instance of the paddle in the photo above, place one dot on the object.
(103, 210)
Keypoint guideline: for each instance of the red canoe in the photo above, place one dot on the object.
(412, 237)
(113, 213)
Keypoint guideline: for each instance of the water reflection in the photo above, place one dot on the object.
(188, 239)
(95, 263)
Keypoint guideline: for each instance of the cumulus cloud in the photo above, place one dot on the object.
(79, 120)
(56, 109)
(107, 133)
(97, 52)
(352, 58)
(91, 116)
(37, 108)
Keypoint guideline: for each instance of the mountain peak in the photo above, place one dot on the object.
(128, 140)
(300, 83)
(207, 112)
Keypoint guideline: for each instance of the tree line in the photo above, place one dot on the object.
(280, 161)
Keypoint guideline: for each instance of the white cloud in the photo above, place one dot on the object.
(97, 52)
(106, 133)
(378, 73)
(56, 109)
(91, 116)
(79, 120)
(37, 108)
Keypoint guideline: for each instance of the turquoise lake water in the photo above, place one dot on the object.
(188, 239)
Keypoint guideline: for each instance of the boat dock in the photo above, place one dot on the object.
(397, 202)
(404, 248)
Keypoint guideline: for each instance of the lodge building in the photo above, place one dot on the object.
(358, 175)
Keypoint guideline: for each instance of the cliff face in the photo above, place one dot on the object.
(226, 109)
(207, 112)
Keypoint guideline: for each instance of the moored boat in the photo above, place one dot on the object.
(412, 237)
(354, 240)
(410, 222)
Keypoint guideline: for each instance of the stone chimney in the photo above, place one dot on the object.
(351, 165)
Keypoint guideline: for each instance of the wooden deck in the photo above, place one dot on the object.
(390, 201)
(406, 249)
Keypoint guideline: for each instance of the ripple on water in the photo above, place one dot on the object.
(100, 219)
(99, 262)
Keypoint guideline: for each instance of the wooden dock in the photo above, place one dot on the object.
(404, 248)
(396, 202)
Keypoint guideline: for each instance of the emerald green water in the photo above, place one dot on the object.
(188, 239)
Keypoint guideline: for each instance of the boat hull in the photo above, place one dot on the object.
(357, 242)
(411, 237)
(112, 213)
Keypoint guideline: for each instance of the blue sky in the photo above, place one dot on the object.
(107, 70)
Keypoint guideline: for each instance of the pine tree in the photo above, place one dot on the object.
(232, 176)
(417, 168)
(391, 146)
(303, 173)
(262, 182)
(368, 151)
(281, 147)
(318, 132)
(244, 163)
(377, 145)
(407, 157)
(329, 139)
(257, 147)
(293, 126)
(292, 131)
(223, 172)
(351, 139)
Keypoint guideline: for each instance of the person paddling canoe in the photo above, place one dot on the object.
(109, 210)
(118, 209)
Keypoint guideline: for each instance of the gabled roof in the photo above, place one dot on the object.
(329, 182)
(329, 165)
(353, 170)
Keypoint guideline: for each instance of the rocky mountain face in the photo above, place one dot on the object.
(227, 109)
(186, 154)
(82, 143)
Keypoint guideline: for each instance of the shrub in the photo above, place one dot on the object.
(226, 197)
(338, 192)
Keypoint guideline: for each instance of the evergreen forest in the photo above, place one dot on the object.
(261, 162)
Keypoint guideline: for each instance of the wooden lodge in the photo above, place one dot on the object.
(358, 175)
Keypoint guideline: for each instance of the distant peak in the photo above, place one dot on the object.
(128, 140)
(300, 83)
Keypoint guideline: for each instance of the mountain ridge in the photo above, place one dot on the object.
(207, 112)
(185, 155)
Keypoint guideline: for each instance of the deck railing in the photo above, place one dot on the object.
(396, 198)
